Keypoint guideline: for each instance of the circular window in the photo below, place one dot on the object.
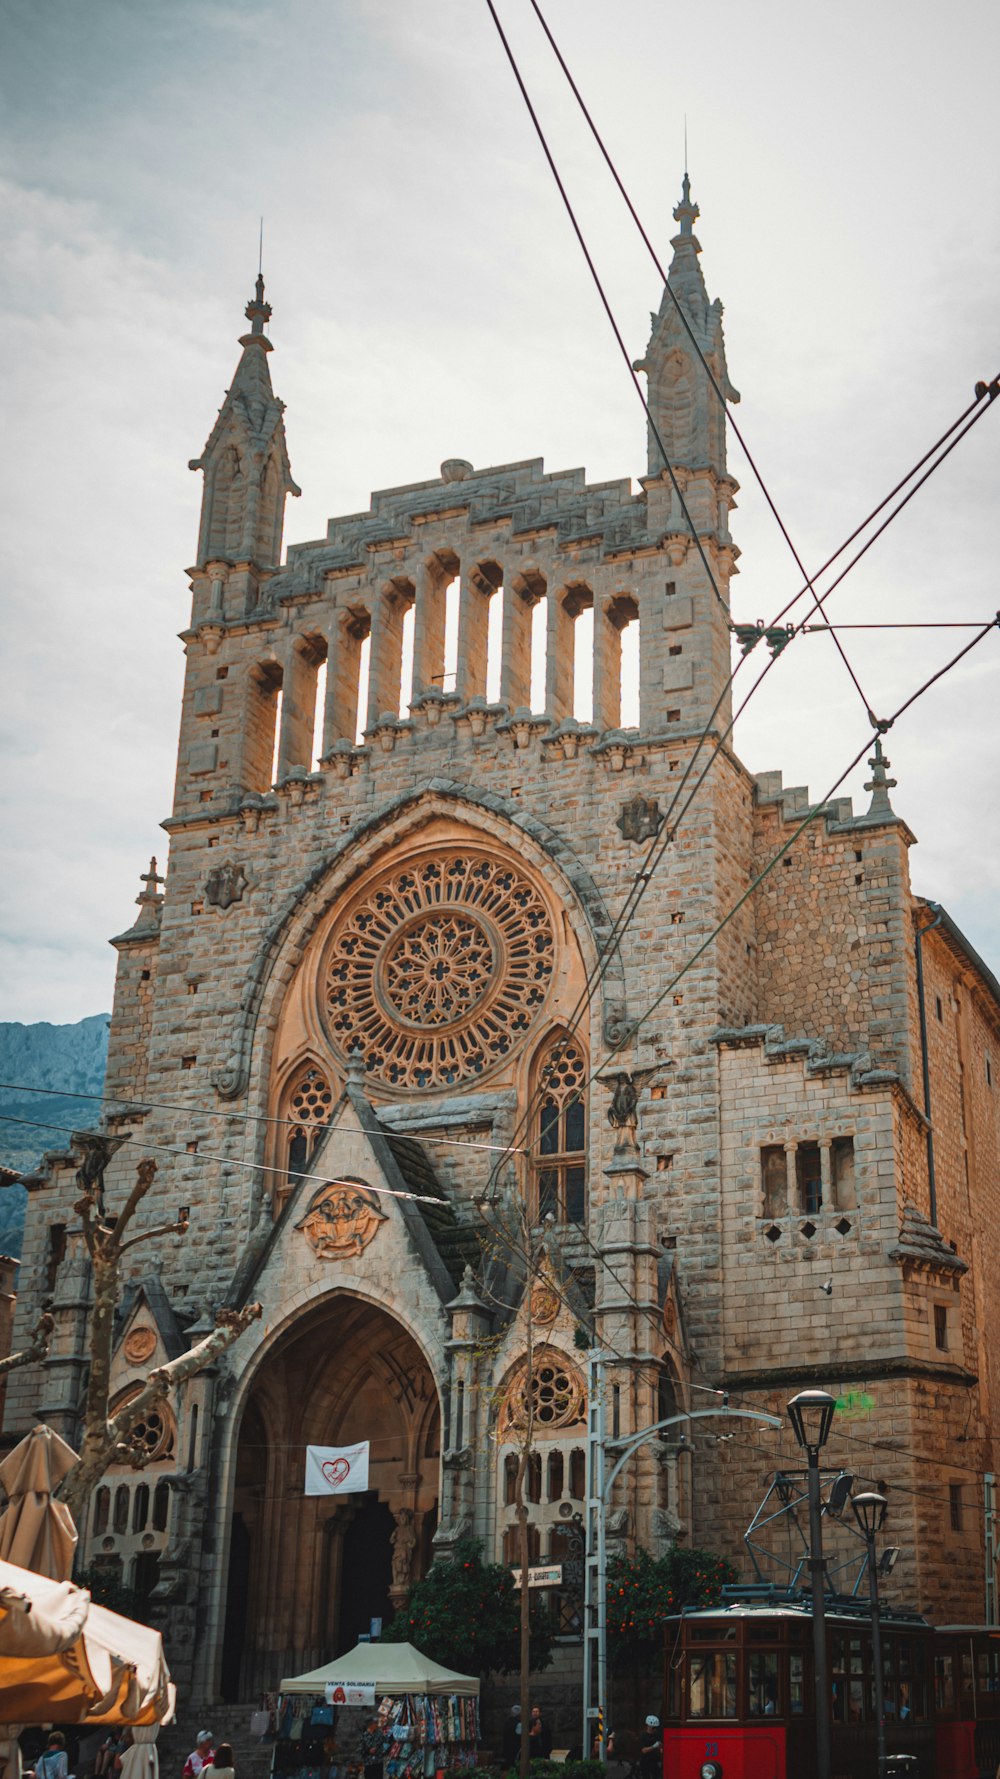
(555, 1392)
(438, 969)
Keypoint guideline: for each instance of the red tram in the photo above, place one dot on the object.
(739, 1701)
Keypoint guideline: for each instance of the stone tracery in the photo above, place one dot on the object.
(553, 1387)
(440, 969)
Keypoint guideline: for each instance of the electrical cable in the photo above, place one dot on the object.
(134, 1108)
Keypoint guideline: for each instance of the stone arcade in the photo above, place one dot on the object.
(382, 904)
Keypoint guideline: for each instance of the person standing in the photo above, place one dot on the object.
(511, 1739)
(54, 1763)
(539, 1735)
(651, 1750)
(223, 1766)
(202, 1755)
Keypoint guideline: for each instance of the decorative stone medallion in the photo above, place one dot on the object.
(439, 969)
(225, 885)
(341, 1221)
(640, 819)
(544, 1304)
(139, 1345)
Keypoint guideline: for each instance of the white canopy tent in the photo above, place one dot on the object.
(392, 1668)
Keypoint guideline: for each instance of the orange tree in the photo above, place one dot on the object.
(644, 1590)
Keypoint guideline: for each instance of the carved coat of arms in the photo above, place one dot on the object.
(341, 1221)
(225, 885)
(640, 818)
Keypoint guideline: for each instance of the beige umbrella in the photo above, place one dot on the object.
(64, 1660)
(37, 1532)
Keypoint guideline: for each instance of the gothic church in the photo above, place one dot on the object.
(349, 1015)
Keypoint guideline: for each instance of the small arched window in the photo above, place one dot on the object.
(161, 1506)
(560, 1167)
(102, 1509)
(309, 1104)
(121, 1508)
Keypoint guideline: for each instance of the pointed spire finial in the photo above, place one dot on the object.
(257, 312)
(880, 784)
(686, 213)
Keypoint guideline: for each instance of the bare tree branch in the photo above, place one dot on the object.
(38, 1348)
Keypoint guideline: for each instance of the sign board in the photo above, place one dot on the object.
(354, 1692)
(549, 1577)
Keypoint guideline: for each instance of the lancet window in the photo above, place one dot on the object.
(559, 1185)
(309, 1104)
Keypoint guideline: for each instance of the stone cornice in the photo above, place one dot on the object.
(803, 1374)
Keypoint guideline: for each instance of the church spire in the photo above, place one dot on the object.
(686, 410)
(247, 472)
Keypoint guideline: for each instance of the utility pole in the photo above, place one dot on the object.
(595, 1569)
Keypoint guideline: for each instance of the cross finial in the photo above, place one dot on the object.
(151, 880)
(880, 784)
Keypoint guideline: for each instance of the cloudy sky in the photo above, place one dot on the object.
(430, 301)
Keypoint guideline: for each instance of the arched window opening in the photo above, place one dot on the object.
(510, 1480)
(560, 1167)
(533, 1477)
(479, 598)
(406, 662)
(279, 706)
(161, 1505)
(309, 1106)
(102, 1509)
(539, 655)
(577, 1475)
(361, 694)
(623, 665)
(667, 1401)
(319, 712)
(583, 665)
(193, 1439)
(140, 1508)
(449, 670)
(146, 1573)
(494, 644)
(555, 1479)
(235, 505)
(262, 726)
(121, 1508)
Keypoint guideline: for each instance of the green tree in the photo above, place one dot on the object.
(466, 1614)
(644, 1590)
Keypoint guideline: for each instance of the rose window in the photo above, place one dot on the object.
(555, 1391)
(439, 969)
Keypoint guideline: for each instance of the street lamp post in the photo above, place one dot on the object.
(868, 1511)
(811, 1415)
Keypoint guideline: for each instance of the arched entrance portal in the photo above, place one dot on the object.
(308, 1573)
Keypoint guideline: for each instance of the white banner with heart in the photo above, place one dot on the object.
(336, 1469)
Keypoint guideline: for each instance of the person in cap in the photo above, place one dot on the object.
(651, 1749)
(202, 1755)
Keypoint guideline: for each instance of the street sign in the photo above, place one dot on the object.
(550, 1577)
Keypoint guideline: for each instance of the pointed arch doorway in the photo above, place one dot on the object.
(307, 1574)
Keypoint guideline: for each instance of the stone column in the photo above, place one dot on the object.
(515, 650)
(473, 635)
(791, 1179)
(558, 659)
(826, 1174)
(428, 631)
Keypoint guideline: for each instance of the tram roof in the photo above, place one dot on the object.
(842, 1610)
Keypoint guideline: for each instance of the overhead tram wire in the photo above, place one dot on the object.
(676, 302)
(818, 601)
(134, 1108)
(810, 816)
(678, 306)
(659, 843)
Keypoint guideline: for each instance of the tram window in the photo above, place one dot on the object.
(762, 1683)
(944, 1683)
(712, 1684)
(988, 1681)
(796, 1685)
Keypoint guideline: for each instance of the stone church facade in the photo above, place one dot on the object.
(373, 1017)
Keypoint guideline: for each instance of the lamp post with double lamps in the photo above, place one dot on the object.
(811, 1415)
(869, 1510)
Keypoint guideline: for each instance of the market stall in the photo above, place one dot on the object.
(382, 1704)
